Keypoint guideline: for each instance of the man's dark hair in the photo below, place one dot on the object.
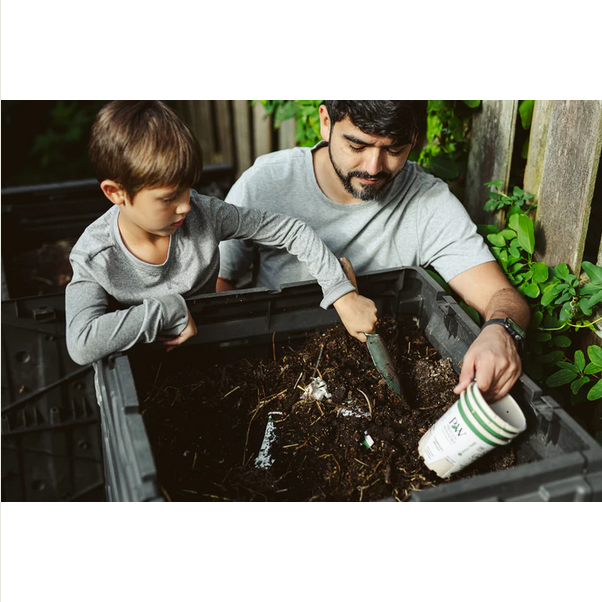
(400, 120)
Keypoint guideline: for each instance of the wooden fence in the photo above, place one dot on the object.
(235, 131)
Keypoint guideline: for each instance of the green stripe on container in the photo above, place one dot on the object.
(473, 429)
(476, 400)
(484, 424)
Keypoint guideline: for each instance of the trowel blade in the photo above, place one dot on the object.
(382, 360)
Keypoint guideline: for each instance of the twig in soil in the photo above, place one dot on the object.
(194, 461)
(362, 488)
(335, 460)
(362, 463)
(228, 393)
(318, 362)
(165, 493)
(157, 375)
(300, 376)
(369, 406)
(274, 345)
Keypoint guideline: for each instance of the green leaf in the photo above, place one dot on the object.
(472, 103)
(513, 221)
(595, 392)
(562, 271)
(496, 240)
(529, 289)
(589, 289)
(593, 271)
(595, 354)
(584, 306)
(577, 384)
(444, 167)
(485, 229)
(560, 378)
(568, 366)
(562, 341)
(542, 337)
(548, 296)
(525, 110)
(526, 236)
(592, 369)
(508, 234)
(494, 183)
(594, 300)
(540, 272)
(580, 360)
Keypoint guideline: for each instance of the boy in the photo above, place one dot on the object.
(159, 242)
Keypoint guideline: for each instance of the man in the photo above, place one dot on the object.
(358, 191)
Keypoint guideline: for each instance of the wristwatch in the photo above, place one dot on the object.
(513, 329)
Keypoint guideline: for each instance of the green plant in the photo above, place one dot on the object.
(445, 154)
(560, 302)
(305, 112)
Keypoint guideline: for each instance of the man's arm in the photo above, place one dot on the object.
(493, 357)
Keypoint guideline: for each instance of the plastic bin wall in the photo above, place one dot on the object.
(50, 418)
(557, 460)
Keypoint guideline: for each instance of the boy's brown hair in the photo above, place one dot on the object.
(144, 144)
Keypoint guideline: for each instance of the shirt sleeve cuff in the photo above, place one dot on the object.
(340, 289)
(175, 314)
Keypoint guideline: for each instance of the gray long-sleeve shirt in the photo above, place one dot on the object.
(103, 268)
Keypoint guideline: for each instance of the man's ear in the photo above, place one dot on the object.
(114, 192)
(325, 123)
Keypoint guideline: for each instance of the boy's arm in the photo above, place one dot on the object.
(357, 313)
(92, 333)
(297, 238)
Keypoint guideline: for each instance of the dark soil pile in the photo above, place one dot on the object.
(206, 424)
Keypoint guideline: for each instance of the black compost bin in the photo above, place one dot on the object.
(556, 460)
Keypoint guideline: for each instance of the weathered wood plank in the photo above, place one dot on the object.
(286, 134)
(262, 130)
(197, 114)
(490, 155)
(242, 135)
(568, 174)
(224, 131)
(537, 146)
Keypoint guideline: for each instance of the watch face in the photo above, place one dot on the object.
(515, 328)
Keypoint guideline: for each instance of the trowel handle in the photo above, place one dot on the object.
(348, 269)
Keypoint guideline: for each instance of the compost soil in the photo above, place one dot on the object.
(206, 423)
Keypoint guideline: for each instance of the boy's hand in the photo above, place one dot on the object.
(357, 313)
(187, 333)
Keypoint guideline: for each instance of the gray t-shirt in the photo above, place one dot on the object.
(104, 269)
(419, 222)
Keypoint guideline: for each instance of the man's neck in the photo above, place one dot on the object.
(328, 181)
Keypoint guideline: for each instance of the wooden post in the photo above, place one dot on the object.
(561, 171)
(490, 155)
(242, 135)
(224, 131)
(262, 129)
(286, 134)
(198, 116)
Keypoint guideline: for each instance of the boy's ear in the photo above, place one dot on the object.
(114, 192)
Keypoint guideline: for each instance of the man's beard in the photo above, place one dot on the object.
(369, 192)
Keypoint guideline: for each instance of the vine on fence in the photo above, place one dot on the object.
(560, 302)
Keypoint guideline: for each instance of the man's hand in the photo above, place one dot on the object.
(357, 313)
(494, 359)
(187, 333)
(223, 285)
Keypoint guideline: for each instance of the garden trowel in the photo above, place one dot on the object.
(378, 351)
